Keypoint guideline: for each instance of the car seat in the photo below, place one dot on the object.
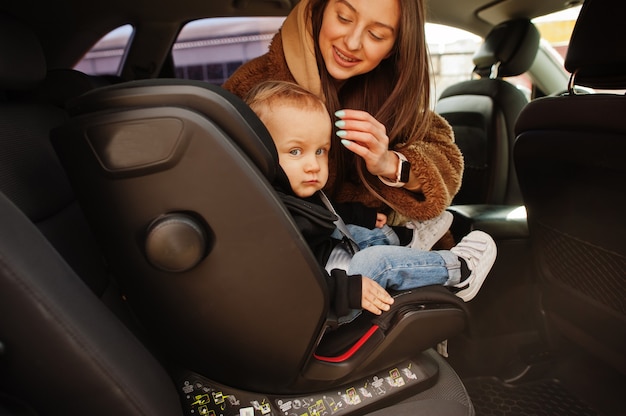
(482, 113)
(175, 178)
(62, 351)
(569, 155)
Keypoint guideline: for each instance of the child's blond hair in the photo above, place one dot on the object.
(261, 97)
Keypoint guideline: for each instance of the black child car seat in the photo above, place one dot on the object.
(175, 179)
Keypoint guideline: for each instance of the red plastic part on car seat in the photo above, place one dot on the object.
(346, 355)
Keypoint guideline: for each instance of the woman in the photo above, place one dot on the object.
(368, 60)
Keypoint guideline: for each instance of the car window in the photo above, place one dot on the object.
(105, 58)
(212, 49)
(451, 51)
(556, 28)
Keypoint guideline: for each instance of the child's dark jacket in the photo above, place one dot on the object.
(316, 224)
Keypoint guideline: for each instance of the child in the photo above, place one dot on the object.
(301, 129)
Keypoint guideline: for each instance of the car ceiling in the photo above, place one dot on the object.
(59, 21)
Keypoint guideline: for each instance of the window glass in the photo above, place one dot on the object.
(105, 58)
(212, 49)
(451, 51)
(556, 28)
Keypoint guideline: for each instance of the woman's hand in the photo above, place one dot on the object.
(374, 298)
(367, 137)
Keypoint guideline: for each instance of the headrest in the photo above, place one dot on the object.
(64, 84)
(513, 44)
(22, 62)
(596, 52)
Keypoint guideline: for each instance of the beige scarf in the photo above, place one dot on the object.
(299, 49)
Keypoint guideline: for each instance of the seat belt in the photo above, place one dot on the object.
(342, 254)
(341, 225)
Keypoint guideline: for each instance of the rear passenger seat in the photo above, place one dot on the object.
(61, 350)
(32, 104)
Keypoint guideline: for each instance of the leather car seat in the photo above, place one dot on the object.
(569, 155)
(62, 351)
(483, 111)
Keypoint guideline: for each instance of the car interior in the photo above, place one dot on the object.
(126, 288)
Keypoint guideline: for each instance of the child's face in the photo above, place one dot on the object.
(302, 138)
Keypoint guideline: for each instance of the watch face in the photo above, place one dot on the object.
(404, 172)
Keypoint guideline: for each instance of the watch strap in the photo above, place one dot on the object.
(402, 173)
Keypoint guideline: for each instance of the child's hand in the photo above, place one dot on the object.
(374, 298)
(381, 219)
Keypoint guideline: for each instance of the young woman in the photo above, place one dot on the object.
(369, 62)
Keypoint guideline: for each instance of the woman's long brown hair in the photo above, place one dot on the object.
(396, 93)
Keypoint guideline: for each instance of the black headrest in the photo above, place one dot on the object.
(513, 44)
(596, 52)
(22, 62)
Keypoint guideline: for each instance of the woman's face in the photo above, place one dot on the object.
(356, 35)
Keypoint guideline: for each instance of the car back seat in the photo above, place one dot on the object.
(33, 101)
(61, 350)
(482, 113)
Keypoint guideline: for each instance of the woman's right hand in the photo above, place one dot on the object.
(374, 298)
(362, 134)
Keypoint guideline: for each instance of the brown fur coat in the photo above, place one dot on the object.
(435, 160)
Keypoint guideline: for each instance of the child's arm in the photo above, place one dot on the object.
(381, 219)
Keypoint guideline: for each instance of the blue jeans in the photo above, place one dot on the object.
(364, 237)
(403, 268)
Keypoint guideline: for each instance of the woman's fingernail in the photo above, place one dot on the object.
(340, 123)
(346, 143)
(341, 133)
(340, 113)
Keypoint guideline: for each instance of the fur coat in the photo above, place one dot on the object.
(435, 160)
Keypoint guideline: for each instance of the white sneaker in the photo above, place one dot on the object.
(479, 252)
(427, 233)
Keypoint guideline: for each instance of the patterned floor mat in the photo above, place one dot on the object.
(492, 397)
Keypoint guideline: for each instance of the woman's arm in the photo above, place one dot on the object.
(436, 164)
